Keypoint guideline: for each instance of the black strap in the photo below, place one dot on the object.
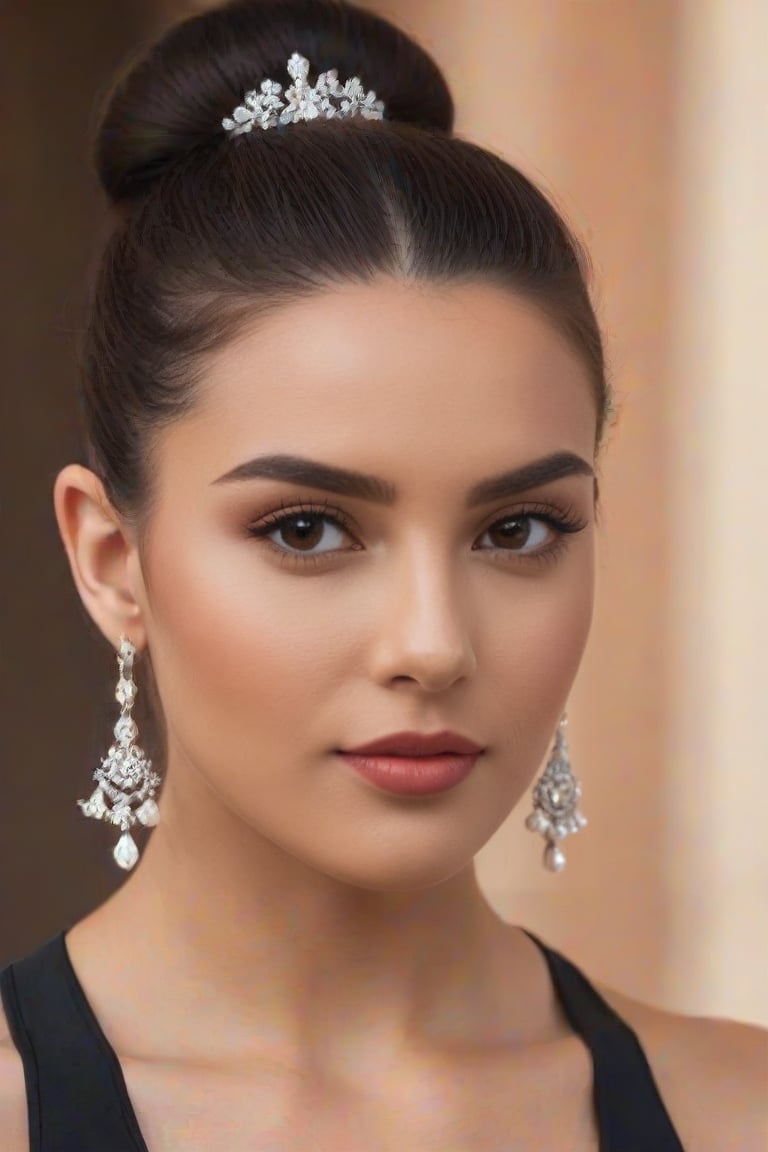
(76, 1095)
(631, 1115)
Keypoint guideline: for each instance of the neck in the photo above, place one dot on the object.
(257, 943)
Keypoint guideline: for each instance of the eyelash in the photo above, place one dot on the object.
(565, 522)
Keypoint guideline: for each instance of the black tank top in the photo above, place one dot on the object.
(77, 1099)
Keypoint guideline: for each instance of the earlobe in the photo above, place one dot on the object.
(100, 549)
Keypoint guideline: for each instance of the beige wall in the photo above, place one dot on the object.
(610, 103)
(717, 752)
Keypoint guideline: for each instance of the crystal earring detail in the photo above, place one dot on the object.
(126, 784)
(556, 795)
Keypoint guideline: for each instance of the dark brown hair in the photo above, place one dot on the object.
(213, 228)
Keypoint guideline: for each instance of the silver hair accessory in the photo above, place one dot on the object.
(555, 802)
(329, 99)
(126, 784)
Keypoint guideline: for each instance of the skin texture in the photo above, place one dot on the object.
(337, 976)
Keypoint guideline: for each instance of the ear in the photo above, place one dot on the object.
(103, 556)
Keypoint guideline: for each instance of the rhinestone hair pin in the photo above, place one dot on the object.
(329, 99)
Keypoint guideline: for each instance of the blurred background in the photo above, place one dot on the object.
(647, 122)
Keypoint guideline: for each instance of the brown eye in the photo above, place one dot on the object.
(304, 531)
(519, 533)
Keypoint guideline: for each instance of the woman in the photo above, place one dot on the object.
(344, 396)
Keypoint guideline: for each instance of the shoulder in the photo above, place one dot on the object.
(13, 1096)
(712, 1074)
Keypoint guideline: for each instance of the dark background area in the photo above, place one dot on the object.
(57, 673)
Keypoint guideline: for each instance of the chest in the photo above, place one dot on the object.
(487, 1105)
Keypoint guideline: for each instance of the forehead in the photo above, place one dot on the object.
(393, 371)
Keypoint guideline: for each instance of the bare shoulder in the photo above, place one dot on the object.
(13, 1097)
(712, 1074)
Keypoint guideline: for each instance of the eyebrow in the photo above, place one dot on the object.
(359, 486)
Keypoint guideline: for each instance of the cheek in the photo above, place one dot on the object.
(236, 655)
(547, 633)
(536, 639)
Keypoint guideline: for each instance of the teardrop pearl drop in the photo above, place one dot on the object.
(126, 853)
(554, 858)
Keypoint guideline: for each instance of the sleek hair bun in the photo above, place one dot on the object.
(172, 100)
(214, 232)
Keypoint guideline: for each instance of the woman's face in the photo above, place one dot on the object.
(275, 646)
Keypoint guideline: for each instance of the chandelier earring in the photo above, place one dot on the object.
(125, 783)
(556, 796)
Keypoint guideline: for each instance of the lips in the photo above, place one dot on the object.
(417, 744)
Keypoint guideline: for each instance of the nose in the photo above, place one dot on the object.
(425, 633)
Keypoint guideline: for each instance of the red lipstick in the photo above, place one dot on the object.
(415, 763)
